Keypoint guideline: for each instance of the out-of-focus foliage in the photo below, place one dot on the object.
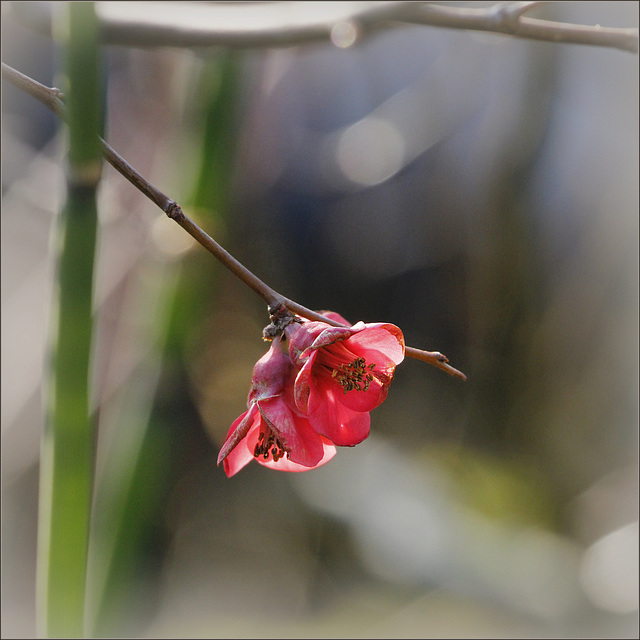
(479, 192)
(67, 451)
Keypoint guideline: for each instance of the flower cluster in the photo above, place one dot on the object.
(312, 391)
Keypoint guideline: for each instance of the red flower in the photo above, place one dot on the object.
(313, 395)
(345, 372)
(272, 431)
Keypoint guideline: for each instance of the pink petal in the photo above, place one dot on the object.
(361, 400)
(303, 382)
(321, 384)
(336, 317)
(284, 464)
(242, 455)
(303, 338)
(294, 432)
(332, 334)
(238, 431)
(271, 372)
(379, 338)
(329, 417)
(313, 335)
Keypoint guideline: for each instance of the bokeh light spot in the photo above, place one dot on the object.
(609, 571)
(370, 151)
(344, 34)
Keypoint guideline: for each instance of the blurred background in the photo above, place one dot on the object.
(479, 191)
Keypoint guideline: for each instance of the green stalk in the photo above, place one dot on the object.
(67, 452)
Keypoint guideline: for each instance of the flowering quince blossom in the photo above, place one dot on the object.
(272, 431)
(311, 391)
(345, 372)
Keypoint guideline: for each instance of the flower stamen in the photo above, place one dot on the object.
(354, 375)
(269, 445)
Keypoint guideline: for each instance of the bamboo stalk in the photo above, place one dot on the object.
(67, 451)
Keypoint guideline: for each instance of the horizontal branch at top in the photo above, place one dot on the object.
(278, 24)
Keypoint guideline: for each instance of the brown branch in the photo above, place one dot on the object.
(52, 98)
(278, 24)
(49, 96)
(508, 18)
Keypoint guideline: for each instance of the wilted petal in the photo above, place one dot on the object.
(238, 431)
(313, 335)
(241, 454)
(330, 334)
(303, 383)
(271, 372)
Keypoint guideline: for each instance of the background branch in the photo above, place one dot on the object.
(52, 98)
(279, 24)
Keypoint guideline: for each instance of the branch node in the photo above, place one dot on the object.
(281, 317)
(506, 16)
(174, 211)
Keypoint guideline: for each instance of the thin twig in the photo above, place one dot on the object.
(278, 24)
(51, 98)
(508, 18)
